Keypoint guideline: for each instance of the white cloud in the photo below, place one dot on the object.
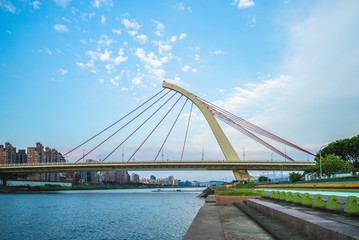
(165, 48)
(159, 29)
(103, 19)
(173, 39)
(83, 65)
(7, 6)
(36, 4)
(114, 82)
(186, 68)
(106, 56)
(132, 33)
(149, 58)
(120, 57)
(181, 7)
(176, 80)
(60, 28)
(80, 64)
(141, 39)
(48, 51)
(182, 36)
(101, 80)
(124, 89)
(152, 63)
(137, 79)
(129, 24)
(8, 32)
(83, 41)
(66, 20)
(100, 3)
(218, 52)
(260, 96)
(196, 57)
(221, 90)
(62, 71)
(105, 40)
(87, 16)
(115, 31)
(322, 58)
(244, 3)
(62, 3)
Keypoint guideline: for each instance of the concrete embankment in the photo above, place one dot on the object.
(270, 219)
(317, 224)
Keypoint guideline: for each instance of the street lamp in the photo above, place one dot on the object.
(320, 160)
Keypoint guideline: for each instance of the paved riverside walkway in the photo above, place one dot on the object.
(237, 225)
(224, 223)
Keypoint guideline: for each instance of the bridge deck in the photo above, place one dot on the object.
(147, 165)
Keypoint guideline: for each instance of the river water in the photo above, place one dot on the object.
(98, 214)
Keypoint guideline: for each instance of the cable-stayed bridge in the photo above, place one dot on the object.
(210, 111)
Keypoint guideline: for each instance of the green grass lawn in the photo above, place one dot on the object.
(239, 192)
(311, 189)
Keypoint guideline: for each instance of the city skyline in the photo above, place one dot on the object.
(69, 69)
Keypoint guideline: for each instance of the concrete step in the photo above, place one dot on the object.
(206, 225)
(238, 226)
(314, 226)
(272, 225)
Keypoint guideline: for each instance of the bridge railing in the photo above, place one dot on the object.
(142, 162)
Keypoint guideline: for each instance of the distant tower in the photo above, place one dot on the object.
(244, 154)
(123, 154)
(203, 154)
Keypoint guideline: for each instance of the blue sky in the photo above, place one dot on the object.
(70, 68)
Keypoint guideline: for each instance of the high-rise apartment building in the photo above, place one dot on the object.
(21, 156)
(36, 155)
(51, 156)
(135, 178)
(120, 177)
(7, 154)
(2, 155)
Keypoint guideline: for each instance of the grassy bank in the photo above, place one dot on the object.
(239, 192)
(313, 189)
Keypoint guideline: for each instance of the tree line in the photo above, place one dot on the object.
(341, 155)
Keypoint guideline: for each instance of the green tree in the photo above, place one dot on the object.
(347, 149)
(263, 179)
(330, 164)
(295, 177)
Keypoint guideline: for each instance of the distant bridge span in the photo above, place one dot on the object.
(171, 165)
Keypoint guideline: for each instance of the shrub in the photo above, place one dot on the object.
(295, 177)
